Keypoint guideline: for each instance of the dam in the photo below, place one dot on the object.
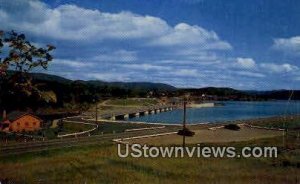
(125, 115)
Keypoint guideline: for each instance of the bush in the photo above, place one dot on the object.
(232, 127)
(186, 132)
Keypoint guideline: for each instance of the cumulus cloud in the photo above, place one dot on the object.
(109, 76)
(278, 68)
(250, 74)
(119, 55)
(249, 64)
(184, 35)
(246, 63)
(186, 72)
(70, 22)
(147, 67)
(124, 46)
(72, 63)
(91, 35)
(297, 78)
(288, 45)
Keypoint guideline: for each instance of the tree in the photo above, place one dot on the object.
(22, 55)
(17, 58)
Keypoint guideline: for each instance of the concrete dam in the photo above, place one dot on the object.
(125, 115)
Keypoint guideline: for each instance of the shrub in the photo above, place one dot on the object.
(186, 132)
(232, 127)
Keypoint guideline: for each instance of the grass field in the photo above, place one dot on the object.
(69, 127)
(100, 164)
(119, 127)
(210, 136)
(286, 123)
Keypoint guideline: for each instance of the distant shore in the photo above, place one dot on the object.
(257, 121)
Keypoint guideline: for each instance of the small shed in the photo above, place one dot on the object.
(21, 121)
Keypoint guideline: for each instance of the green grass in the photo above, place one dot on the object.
(75, 127)
(104, 128)
(283, 123)
(100, 164)
(119, 127)
(49, 133)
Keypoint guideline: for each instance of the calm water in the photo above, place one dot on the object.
(231, 111)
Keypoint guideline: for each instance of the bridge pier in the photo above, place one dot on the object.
(141, 113)
(126, 116)
(131, 115)
(144, 113)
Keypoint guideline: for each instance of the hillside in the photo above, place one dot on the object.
(59, 92)
(97, 83)
(145, 87)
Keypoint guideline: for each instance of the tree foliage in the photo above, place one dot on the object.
(17, 58)
(22, 56)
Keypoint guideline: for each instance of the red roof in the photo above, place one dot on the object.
(13, 116)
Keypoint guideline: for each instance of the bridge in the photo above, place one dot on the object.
(130, 113)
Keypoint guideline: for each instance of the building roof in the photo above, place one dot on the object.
(18, 114)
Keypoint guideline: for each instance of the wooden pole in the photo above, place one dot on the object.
(184, 114)
(184, 122)
(98, 127)
(96, 113)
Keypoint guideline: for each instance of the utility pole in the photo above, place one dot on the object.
(185, 131)
(184, 122)
(96, 113)
(285, 126)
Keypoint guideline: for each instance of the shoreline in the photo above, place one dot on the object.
(279, 118)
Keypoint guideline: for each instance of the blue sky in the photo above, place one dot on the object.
(186, 43)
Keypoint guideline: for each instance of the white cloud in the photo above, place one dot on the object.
(70, 22)
(278, 68)
(72, 63)
(119, 55)
(247, 63)
(128, 47)
(250, 74)
(184, 35)
(186, 73)
(288, 45)
(109, 76)
(297, 78)
(146, 67)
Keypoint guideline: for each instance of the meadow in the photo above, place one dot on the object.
(100, 164)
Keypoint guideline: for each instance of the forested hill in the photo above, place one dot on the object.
(277, 94)
(97, 83)
(233, 94)
(58, 92)
(119, 89)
